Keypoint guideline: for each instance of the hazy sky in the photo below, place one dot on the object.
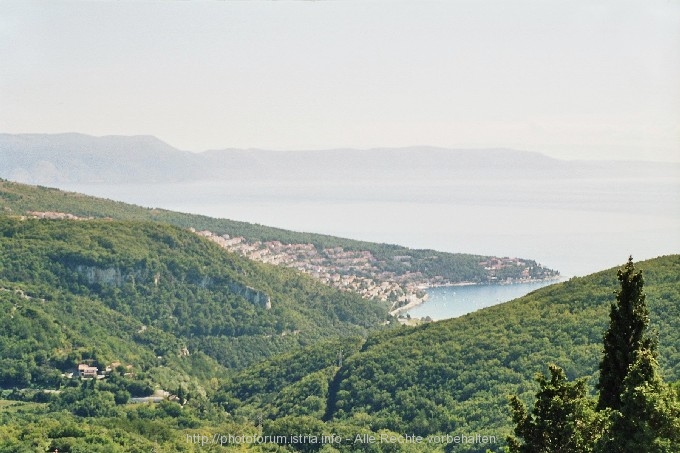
(573, 79)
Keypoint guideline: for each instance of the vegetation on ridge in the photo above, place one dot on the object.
(172, 289)
(19, 199)
(444, 378)
(635, 410)
(455, 376)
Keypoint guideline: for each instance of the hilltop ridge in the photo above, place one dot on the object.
(329, 258)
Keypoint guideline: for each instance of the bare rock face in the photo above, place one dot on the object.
(114, 276)
(111, 276)
(252, 295)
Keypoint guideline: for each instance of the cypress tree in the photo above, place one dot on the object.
(649, 420)
(625, 337)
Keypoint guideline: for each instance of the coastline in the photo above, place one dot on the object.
(420, 301)
(557, 278)
(360, 272)
(412, 304)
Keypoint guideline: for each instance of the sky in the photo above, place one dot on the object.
(572, 79)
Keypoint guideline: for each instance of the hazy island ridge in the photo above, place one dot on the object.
(79, 158)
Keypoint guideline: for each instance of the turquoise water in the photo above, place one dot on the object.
(453, 301)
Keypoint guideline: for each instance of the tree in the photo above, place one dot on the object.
(121, 397)
(95, 404)
(637, 412)
(563, 419)
(625, 337)
(649, 419)
(182, 395)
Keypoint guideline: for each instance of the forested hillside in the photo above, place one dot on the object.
(169, 288)
(150, 308)
(445, 378)
(455, 376)
(249, 348)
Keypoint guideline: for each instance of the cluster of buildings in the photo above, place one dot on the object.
(361, 272)
(86, 371)
(53, 215)
(348, 270)
(494, 265)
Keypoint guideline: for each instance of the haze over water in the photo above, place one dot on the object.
(576, 227)
(574, 224)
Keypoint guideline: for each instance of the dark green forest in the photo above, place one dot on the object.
(450, 377)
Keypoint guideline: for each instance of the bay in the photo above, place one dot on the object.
(453, 301)
(575, 227)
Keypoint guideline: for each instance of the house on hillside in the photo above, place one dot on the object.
(87, 371)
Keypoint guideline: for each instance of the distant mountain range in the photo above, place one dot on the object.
(78, 158)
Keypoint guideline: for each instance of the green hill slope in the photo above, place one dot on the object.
(137, 293)
(455, 376)
(168, 287)
(163, 308)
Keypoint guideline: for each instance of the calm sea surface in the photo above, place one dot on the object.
(576, 227)
(453, 301)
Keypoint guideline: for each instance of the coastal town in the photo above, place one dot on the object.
(359, 271)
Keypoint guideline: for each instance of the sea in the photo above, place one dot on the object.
(574, 226)
(446, 302)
